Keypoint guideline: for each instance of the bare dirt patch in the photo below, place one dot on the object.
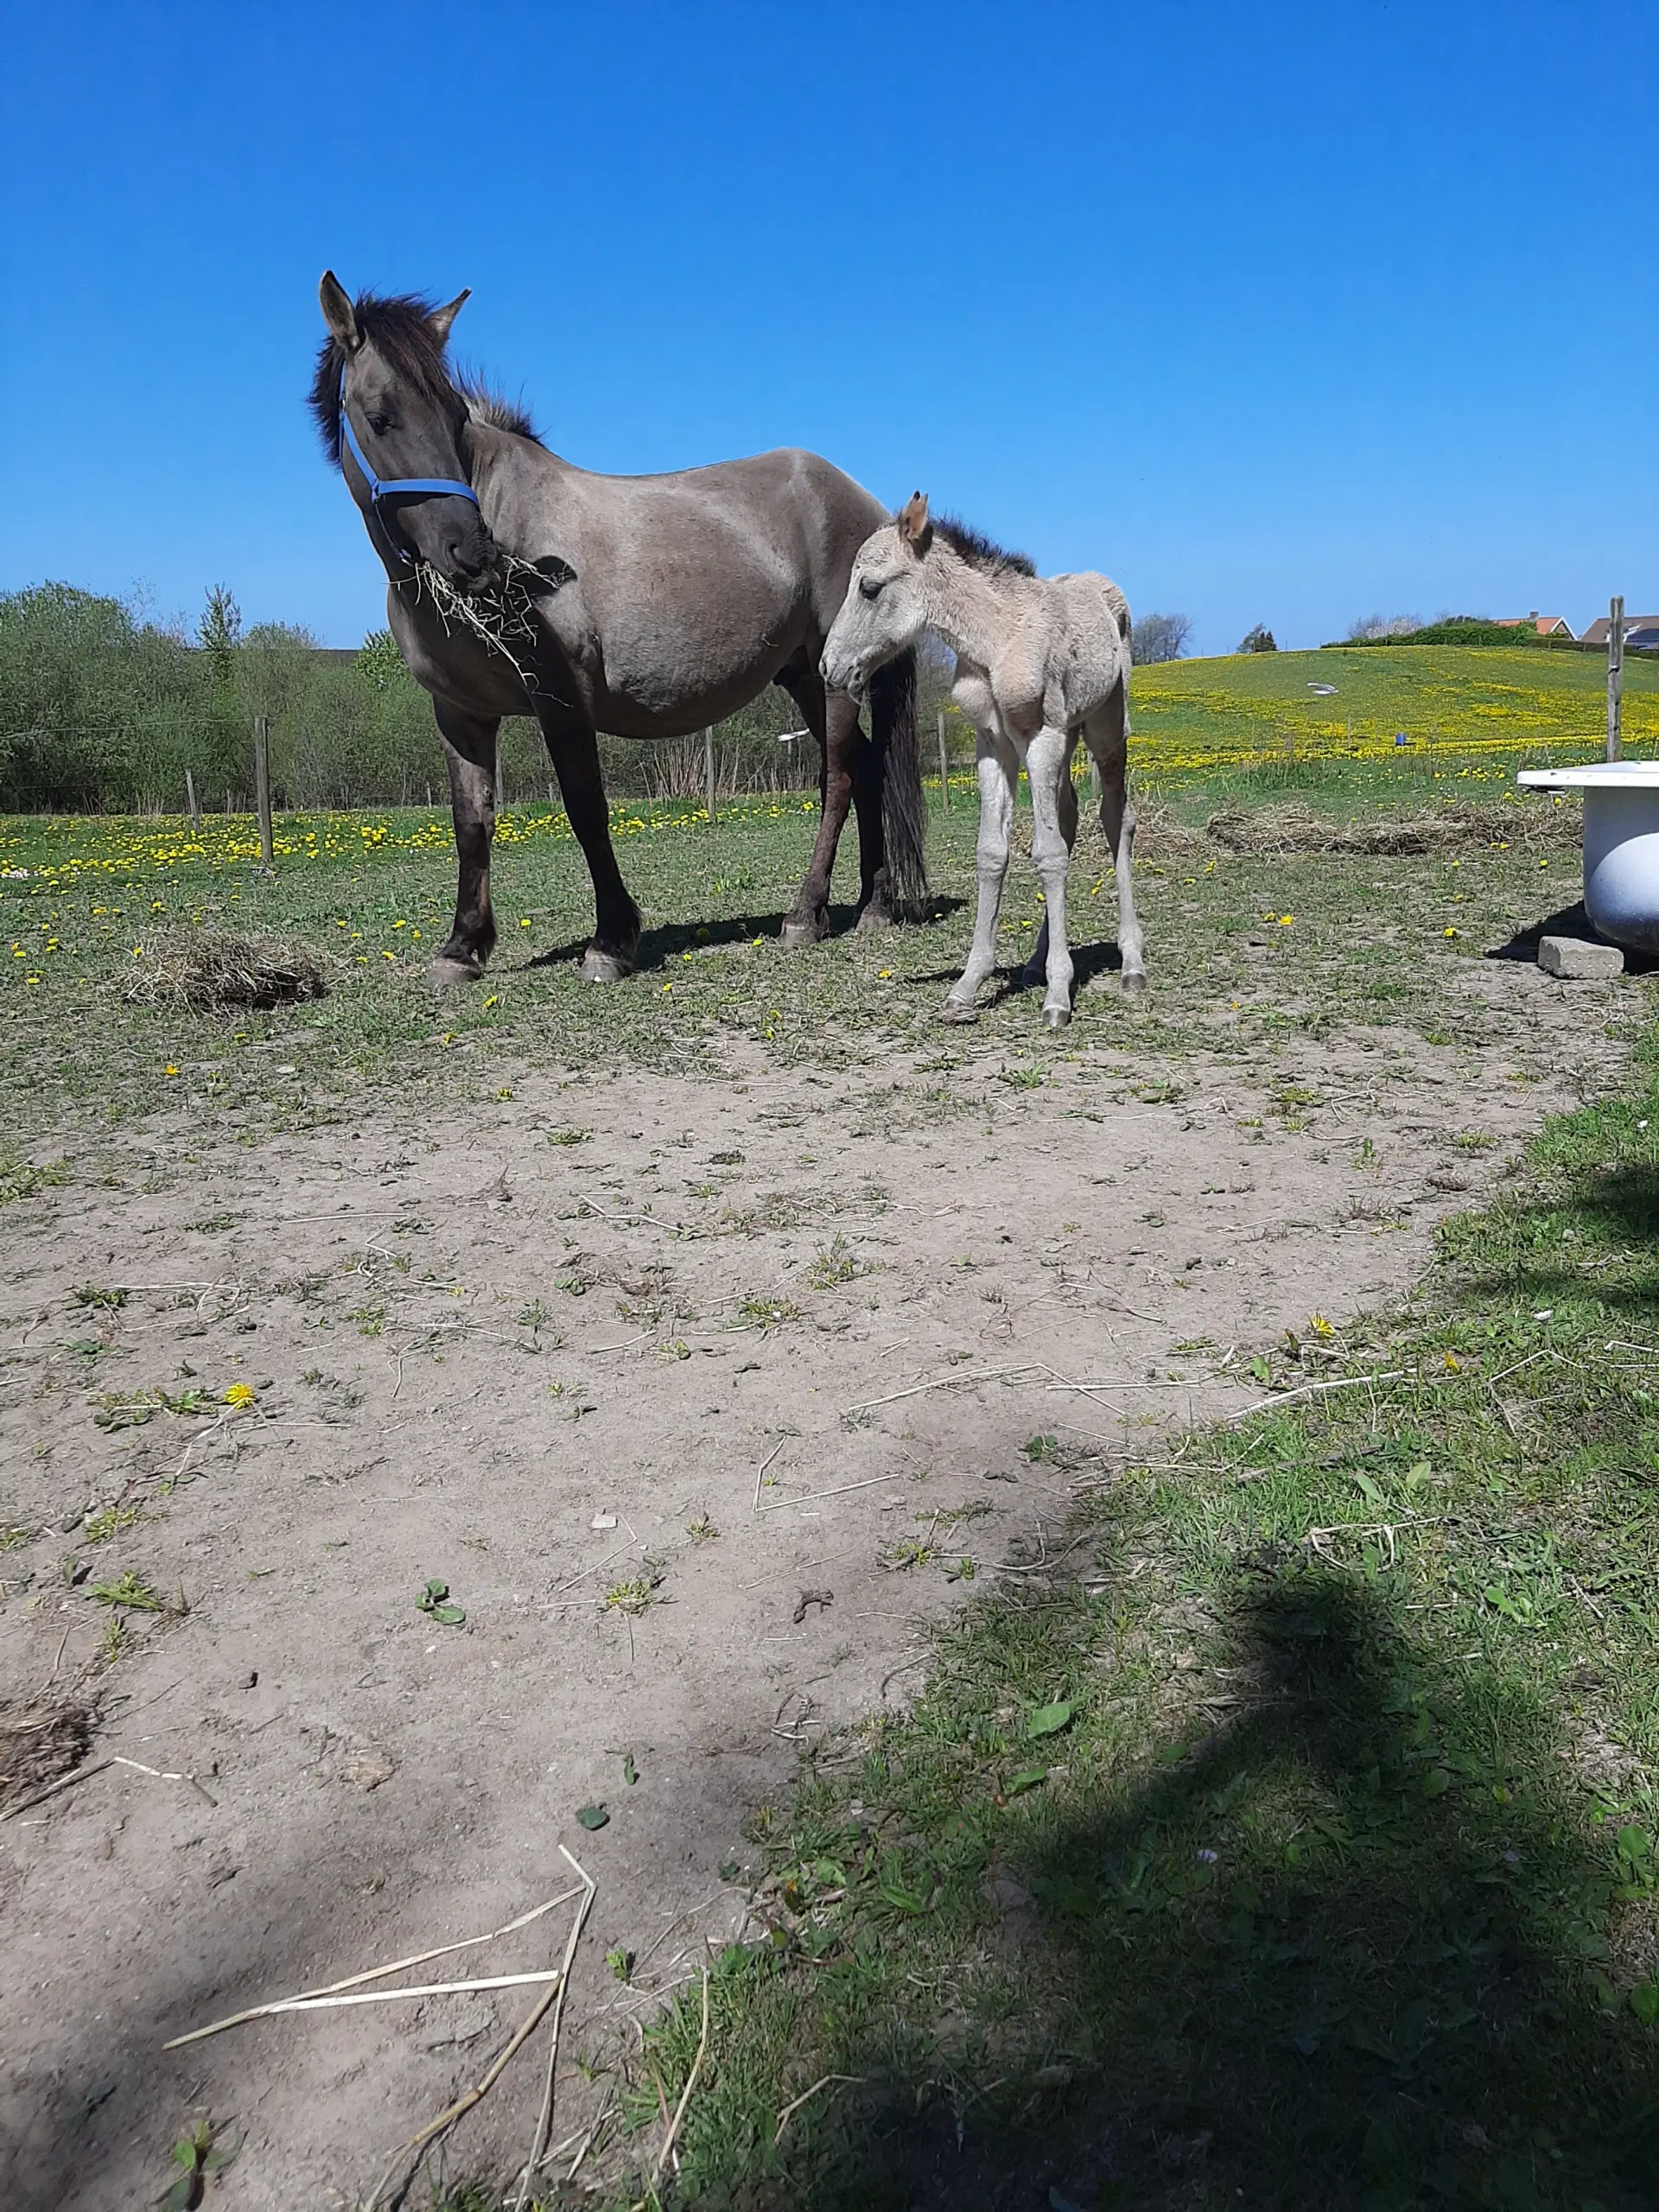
(695, 1397)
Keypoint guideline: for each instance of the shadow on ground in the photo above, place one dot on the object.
(659, 946)
(1341, 1952)
(1567, 921)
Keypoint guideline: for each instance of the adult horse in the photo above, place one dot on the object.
(645, 606)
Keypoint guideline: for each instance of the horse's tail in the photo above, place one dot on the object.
(904, 810)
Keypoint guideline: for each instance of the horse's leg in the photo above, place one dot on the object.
(469, 753)
(832, 717)
(870, 769)
(999, 772)
(1107, 735)
(1048, 761)
(574, 753)
(1036, 968)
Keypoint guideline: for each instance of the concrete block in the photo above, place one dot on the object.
(1578, 959)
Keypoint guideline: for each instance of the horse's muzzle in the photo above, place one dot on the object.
(473, 561)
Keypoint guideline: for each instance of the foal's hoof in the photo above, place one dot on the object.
(954, 1011)
(448, 975)
(797, 933)
(1056, 1017)
(599, 967)
(1134, 985)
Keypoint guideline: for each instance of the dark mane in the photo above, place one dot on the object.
(400, 329)
(980, 552)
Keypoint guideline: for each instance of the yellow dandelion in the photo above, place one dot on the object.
(169, 1069)
(240, 1394)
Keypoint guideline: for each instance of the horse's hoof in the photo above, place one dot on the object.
(795, 934)
(953, 1010)
(448, 975)
(1134, 985)
(599, 967)
(1056, 1017)
(874, 918)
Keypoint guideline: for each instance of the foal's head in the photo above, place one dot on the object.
(381, 372)
(885, 609)
(901, 584)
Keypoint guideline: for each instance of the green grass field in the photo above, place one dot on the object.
(81, 898)
(1299, 1846)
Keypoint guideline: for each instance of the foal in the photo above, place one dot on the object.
(1040, 661)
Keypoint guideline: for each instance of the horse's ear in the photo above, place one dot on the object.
(441, 318)
(337, 312)
(913, 525)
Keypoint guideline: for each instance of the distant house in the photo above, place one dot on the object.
(1546, 625)
(1597, 633)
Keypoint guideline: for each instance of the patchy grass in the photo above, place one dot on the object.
(1303, 1850)
(368, 898)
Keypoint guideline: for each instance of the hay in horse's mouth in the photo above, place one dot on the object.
(501, 618)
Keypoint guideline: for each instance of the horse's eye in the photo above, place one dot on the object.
(379, 424)
(870, 586)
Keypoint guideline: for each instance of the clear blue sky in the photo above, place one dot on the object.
(1278, 313)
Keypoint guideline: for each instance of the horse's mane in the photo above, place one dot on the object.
(980, 551)
(400, 328)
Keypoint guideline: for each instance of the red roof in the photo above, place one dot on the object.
(1546, 626)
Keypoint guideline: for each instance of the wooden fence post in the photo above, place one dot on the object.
(190, 796)
(708, 768)
(945, 765)
(1615, 673)
(500, 781)
(261, 786)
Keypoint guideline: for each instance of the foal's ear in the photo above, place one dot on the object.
(337, 312)
(913, 525)
(441, 318)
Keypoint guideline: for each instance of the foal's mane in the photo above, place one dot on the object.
(982, 552)
(399, 326)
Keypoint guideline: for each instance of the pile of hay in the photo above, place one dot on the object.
(39, 1743)
(205, 971)
(1288, 830)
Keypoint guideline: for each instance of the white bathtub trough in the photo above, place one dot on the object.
(1621, 844)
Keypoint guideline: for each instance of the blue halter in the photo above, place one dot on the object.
(396, 487)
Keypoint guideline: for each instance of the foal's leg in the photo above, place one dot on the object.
(1036, 968)
(470, 754)
(1048, 763)
(1107, 735)
(575, 753)
(832, 718)
(999, 772)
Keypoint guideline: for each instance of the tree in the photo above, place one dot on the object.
(1372, 627)
(218, 632)
(1160, 637)
(379, 662)
(1259, 640)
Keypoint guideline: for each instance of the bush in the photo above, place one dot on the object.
(102, 710)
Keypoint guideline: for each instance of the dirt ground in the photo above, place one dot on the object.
(659, 1376)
